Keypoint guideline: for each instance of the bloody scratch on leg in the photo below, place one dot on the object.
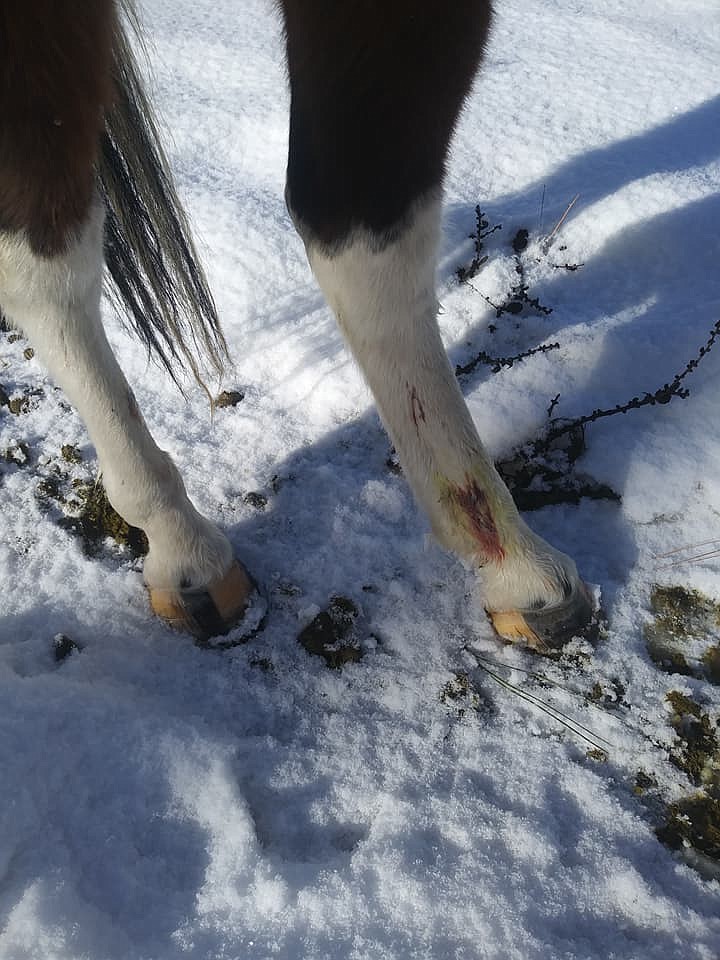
(416, 408)
(471, 506)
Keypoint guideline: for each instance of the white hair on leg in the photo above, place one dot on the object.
(383, 294)
(56, 301)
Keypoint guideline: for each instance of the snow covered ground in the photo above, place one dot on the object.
(162, 801)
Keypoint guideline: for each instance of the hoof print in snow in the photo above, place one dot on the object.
(677, 638)
(63, 646)
(332, 634)
(229, 398)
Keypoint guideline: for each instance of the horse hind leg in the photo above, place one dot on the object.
(51, 242)
(372, 112)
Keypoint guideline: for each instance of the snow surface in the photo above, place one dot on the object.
(162, 801)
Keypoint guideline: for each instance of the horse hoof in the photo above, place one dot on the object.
(549, 628)
(232, 603)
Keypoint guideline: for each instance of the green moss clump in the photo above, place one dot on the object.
(695, 822)
(49, 489)
(665, 656)
(711, 662)
(98, 520)
(682, 615)
(643, 783)
(699, 753)
(18, 405)
(22, 404)
(70, 453)
(683, 612)
(682, 706)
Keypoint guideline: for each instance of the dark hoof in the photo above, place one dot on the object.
(549, 628)
(232, 604)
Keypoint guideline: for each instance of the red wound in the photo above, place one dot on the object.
(478, 519)
(416, 407)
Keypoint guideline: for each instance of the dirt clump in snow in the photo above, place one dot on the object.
(332, 634)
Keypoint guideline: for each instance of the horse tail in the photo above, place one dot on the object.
(155, 277)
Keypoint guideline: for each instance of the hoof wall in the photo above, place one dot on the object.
(213, 611)
(549, 628)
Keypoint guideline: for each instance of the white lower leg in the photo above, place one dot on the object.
(57, 303)
(384, 299)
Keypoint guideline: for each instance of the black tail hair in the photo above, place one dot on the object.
(155, 277)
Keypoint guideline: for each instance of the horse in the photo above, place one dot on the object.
(375, 92)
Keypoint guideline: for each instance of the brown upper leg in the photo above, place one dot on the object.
(55, 82)
(376, 88)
